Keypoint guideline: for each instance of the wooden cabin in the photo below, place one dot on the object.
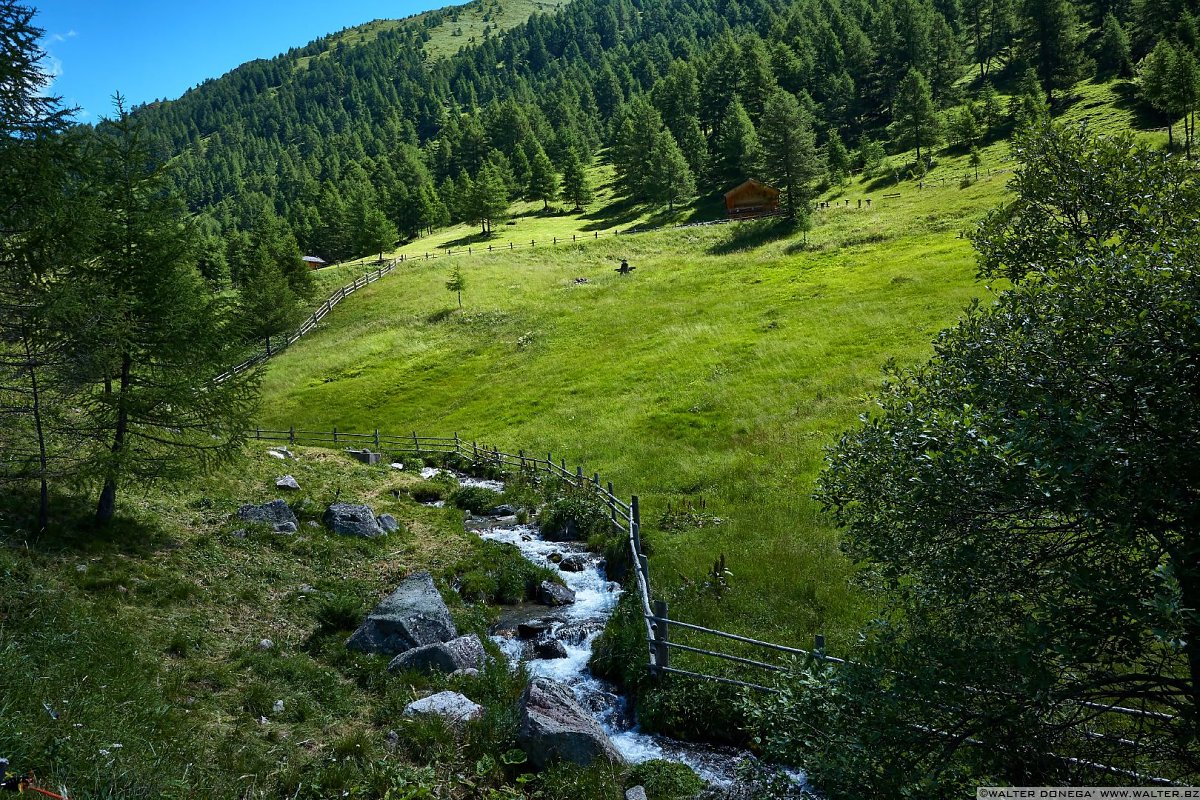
(313, 262)
(751, 199)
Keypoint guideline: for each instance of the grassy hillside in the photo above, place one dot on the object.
(720, 369)
(132, 660)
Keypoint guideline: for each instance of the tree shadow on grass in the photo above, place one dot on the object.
(466, 241)
(752, 234)
(1144, 118)
(621, 211)
(73, 527)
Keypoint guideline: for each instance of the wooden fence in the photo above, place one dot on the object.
(662, 631)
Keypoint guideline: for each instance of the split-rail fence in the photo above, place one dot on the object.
(661, 631)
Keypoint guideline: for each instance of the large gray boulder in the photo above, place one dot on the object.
(449, 705)
(412, 616)
(349, 519)
(553, 594)
(388, 523)
(465, 652)
(276, 513)
(553, 727)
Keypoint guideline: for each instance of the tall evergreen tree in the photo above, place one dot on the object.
(150, 337)
(637, 128)
(915, 120)
(543, 180)
(791, 160)
(576, 187)
(488, 198)
(671, 179)
(1113, 56)
(837, 158)
(1054, 44)
(737, 153)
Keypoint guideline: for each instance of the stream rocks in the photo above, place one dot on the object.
(276, 513)
(463, 653)
(412, 616)
(549, 649)
(554, 727)
(350, 519)
(449, 705)
(554, 594)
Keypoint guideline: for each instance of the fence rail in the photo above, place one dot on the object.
(658, 624)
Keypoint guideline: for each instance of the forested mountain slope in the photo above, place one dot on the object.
(359, 137)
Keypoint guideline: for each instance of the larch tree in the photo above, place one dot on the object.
(915, 119)
(44, 223)
(543, 180)
(671, 180)
(791, 159)
(737, 152)
(576, 186)
(149, 337)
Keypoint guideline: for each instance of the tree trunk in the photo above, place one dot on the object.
(1189, 590)
(107, 505)
(40, 432)
(460, 298)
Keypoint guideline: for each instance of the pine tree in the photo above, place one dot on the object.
(1185, 94)
(990, 112)
(695, 148)
(737, 152)
(1154, 81)
(149, 336)
(543, 180)
(44, 223)
(963, 126)
(576, 187)
(791, 161)
(637, 128)
(1028, 106)
(671, 179)
(915, 120)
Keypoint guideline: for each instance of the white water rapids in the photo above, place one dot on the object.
(577, 626)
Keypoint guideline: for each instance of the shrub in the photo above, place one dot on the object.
(576, 514)
(428, 491)
(474, 498)
(340, 612)
(665, 780)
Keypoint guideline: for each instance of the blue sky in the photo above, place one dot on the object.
(150, 50)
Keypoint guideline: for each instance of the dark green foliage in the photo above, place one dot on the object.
(474, 498)
(497, 573)
(457, 283)
(790, 159)
(671, 179)
(576, 187)
(1113, 55)
(1023, 503)
(915, 120)
(543, 181)
(665, 780)
(737, 153)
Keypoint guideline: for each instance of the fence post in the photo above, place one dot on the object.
(292, 435)
(596, 479)
(549, 463)
(521, 455)
(572, 237)
(258, 433)
(612, 503)
(819, 646)
(579, 476)
(377, 440)
(636, 527)
(474, 451)
(335, 434)
(662, 653)
(510, 245)
(597, 234)
(457, 443)
(555, 238)
(416, 443)
(268, 345)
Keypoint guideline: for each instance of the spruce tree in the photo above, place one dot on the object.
(1154, 83)
(915, 121)
(791, 160)
(1028, 106)
(1113, 56)
(1053, 43)
(457, 283)
(488, 199)
(837, 159)
(637, 128)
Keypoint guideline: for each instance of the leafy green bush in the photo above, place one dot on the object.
(474, 498)
(665, 780)
(576, 514)
(497, 573)
(428, 491)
